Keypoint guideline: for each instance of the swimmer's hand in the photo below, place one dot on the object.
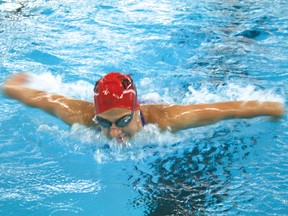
(15, 85)
(279, 112)
(16, 80)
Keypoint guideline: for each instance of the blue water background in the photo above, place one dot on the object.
(177, 52)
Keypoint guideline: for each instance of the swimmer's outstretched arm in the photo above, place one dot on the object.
(180, 117)
(68, 110)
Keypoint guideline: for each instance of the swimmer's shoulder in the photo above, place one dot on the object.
(153, 113)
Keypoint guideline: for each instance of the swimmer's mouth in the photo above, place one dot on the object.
(122, 139)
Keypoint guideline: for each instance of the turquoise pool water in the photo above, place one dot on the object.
(177, 52)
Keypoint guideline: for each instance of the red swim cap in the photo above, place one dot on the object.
(115, 90)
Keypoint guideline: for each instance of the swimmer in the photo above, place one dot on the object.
(118, 114)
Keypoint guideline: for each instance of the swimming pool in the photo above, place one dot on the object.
(177, 52)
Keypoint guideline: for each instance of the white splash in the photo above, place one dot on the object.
(55, 84)
(231, 92)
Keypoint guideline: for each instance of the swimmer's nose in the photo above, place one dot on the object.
(115, 131)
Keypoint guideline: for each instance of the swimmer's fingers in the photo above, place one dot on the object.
(17, 79)
(279, 113)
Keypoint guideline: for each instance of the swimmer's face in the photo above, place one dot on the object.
(121, 134)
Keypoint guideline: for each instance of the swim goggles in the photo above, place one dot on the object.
(122, 122)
